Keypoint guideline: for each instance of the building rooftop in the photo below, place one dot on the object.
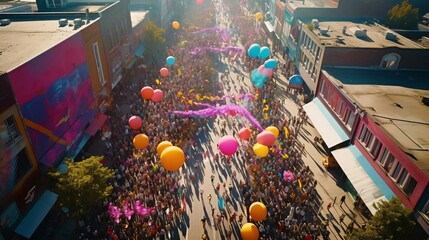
(22, 40)
(359, 34)
(397, 107)
(294, 4)
(138, 12)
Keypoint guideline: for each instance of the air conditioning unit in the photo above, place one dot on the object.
(63, 22)
(315, 23)
(361, 33)
(391, 36)
(4, 22)
(77, 22)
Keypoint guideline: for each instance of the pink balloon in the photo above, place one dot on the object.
(228, 145)
(164, 72)
(265, 71)
(261, 69)
(244, 133)
(199, 2)
(157, 95)
(266, 138)
(135, 122)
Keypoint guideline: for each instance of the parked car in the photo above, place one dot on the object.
(330, 162)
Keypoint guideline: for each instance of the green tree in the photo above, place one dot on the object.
(154, 40)
(391, 221)
(83, 185)
(403, 16)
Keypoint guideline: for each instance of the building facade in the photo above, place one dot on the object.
(375, 125)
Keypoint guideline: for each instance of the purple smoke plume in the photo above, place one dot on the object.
(221, 110)
(217, 50)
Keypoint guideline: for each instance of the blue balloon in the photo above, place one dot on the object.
(258, 79)
(254, 50)
(264, 52)
(171, 60)
(270, 63)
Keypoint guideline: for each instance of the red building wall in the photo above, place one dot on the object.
(422, 180)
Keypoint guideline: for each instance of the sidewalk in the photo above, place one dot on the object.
(330, 187)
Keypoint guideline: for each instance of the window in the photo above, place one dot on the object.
(98, 63)
(12, 170)
(374, 147)
(9, 131)
(350, 120)
(410, 185)
(340, 107)
(402, 178)
(397, 171)
(390, 61)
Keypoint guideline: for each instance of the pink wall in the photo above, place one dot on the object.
(414, 171)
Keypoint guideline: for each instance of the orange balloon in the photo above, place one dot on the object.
(175, 25)
(146, 92)
(249, 232)
(172, 158)
(163, 145)
(141, 141)
(258, 16)
(258, 211)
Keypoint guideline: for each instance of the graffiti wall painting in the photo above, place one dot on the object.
(54, 93)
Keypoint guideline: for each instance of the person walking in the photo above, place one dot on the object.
(342, 218)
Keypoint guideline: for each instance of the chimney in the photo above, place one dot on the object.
(87, 16)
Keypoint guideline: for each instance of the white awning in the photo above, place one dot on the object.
(369, 185)
(326, 125)
(269, 26)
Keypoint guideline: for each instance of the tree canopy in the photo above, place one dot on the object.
(391, 221)
(83, 185)
(153, 39)
(403, 16)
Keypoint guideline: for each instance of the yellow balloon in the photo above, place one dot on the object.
(172, 158)
(140, 141)
(258, 16)
(274, 130)
(249, 232)
(163, 145)
(260, 150)
(175, 25)
(258, 211)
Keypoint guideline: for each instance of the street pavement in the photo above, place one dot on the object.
(329, 187)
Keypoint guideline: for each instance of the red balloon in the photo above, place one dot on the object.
(244, 133)
(135, 122)
(146, 92)
(266, 138)
(157, 95)
(199, 2)
(164, 72)
(233, 113)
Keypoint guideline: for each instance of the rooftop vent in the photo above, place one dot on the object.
(391, 36)
(63, 22)
(77, 22)
(4, 22)
(315, 23)
(425, 101)
(360, 33)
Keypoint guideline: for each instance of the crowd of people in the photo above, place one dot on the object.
(292, 205)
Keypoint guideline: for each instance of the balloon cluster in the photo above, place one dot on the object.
(265, 139)
(148, 93)
(260, 75)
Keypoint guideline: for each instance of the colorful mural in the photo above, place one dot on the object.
(54, 93)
